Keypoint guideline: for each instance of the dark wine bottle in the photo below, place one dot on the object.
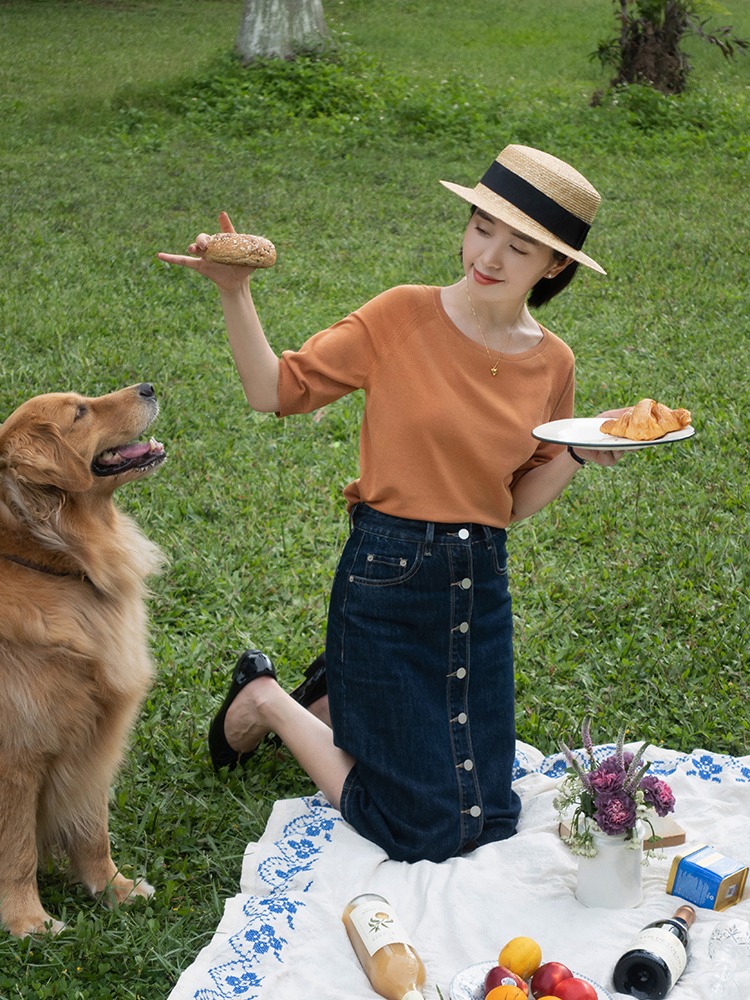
(657, 958)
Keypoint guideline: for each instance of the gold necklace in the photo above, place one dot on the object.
(493, 368)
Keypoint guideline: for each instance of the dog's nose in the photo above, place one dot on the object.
(146, 390)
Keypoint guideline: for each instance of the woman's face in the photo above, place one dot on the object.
(501, 262)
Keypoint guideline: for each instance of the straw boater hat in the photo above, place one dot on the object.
(541, 195)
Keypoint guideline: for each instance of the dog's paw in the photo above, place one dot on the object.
(142, 888)
(121, 890)
(34, 925)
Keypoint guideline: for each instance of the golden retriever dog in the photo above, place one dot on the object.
(74, 661)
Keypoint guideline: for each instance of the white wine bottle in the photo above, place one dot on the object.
(383, 948)
(657, 958)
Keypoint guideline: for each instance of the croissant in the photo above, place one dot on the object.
(646, 421)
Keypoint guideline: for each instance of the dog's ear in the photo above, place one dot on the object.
(40, 455)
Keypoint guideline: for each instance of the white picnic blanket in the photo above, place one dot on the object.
(281, 937)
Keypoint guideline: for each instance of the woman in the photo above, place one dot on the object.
(419, 656)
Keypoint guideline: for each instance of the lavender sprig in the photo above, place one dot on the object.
(636, 770)
(619, 751)
(575, 764)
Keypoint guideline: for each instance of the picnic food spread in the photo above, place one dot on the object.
(240, 248)
(647, 421)
(520, 966)
(647, 970)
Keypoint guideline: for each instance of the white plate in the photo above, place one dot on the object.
(584, 432)
(469, 983)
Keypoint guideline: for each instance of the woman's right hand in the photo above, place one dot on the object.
(227, 277)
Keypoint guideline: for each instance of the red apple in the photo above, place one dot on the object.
(498, 975)
(575, 989)
(546, 978)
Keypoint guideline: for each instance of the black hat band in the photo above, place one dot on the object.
(537, 205)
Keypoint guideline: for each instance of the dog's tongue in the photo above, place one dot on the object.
(130, 452)
(134, 450)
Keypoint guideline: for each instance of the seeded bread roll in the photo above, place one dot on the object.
(240, 248)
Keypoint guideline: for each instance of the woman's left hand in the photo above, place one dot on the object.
(608, 457)
(599, 457)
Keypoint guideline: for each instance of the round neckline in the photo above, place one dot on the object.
(515, 356)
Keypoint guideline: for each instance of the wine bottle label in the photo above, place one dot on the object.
(377, 925)
(665, 946)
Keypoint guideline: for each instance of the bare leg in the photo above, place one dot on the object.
(319, 709)
(263, 706)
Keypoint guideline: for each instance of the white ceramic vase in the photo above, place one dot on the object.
(612, 878)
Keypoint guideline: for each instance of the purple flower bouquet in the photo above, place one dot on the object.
(612, 795)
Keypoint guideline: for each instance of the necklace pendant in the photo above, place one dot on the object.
(494, 370)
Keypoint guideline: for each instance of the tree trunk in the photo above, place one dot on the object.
(280, 29)
(650, 53)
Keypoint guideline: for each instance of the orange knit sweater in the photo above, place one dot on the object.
(441, 438)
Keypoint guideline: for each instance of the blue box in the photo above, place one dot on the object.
(707, 878)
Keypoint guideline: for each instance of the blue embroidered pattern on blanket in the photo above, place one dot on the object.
(699, 764)
(270, 917)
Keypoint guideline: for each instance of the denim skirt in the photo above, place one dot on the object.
(419, 660)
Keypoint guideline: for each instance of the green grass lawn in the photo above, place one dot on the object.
(125, 130)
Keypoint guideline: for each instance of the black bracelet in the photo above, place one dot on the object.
(576, 458)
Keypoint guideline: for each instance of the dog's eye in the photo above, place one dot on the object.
(81, 411)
